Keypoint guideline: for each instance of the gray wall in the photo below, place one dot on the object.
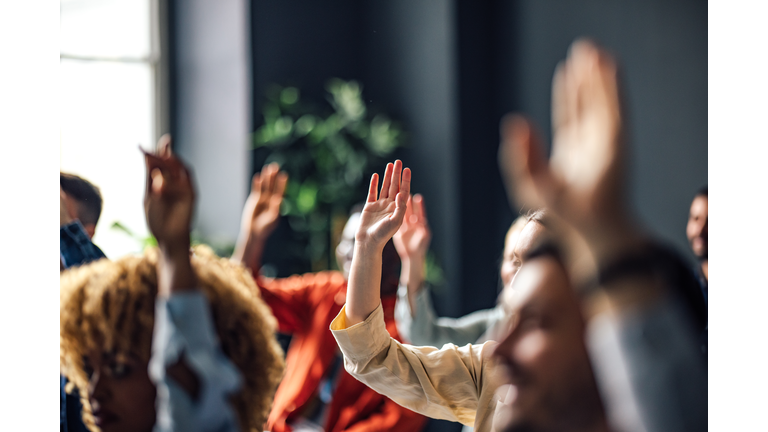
(662, 47)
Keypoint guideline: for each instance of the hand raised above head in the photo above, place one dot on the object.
(413, 237)
(381, 217)
(583, 182)
(169, 197)
(261, 212)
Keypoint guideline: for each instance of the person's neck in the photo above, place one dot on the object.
(705, 269)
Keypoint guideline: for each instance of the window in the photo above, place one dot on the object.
(109, 69)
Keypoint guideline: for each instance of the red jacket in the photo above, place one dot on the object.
(304, 307)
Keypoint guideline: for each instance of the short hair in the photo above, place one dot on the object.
(109, 306)
(702, 191)
(86, 194)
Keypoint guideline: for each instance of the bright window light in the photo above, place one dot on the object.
(107, 109)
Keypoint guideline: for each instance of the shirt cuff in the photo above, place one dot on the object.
(362, 340)
(184, 327)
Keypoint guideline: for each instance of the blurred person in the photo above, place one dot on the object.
(83, 199)
(697, 234)
(317, 394)
(415, 316)
(166, 341)
(696, 230)
(640, 303)
(637, 340)
(75, 248)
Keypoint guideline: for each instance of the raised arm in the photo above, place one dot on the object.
(380, 219)
(639, 335)
(261, 214)
(412, 243)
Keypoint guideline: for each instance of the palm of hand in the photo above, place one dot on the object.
(264, 212)
(377, 221)
(169, 213)
(412, 239)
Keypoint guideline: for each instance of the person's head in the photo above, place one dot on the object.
(86, 200)
(697, 224)
(390, 264)
(525, 231)
(543, 354)
(107, 320)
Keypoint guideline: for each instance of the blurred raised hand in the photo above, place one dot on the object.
(413, 238)
(583, 183)
(261, 214)
(169, 198)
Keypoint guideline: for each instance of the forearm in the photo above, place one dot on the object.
(174, 269)
(249, 251)
(364, 285)
(412, 277)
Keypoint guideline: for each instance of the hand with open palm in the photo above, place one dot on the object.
(413, 237)
(379, 221)
(261, 212)
(583, 182)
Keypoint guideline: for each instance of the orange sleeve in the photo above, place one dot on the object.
(391, 417)
(289, 299)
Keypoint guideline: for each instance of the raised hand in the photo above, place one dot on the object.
(381, 217)
(413, 237)
(261, 214)
(262, 208)
(583, 182)
(169, 198)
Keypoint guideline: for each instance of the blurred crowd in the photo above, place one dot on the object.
(598, 325)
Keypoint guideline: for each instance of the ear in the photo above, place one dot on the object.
(90, 229)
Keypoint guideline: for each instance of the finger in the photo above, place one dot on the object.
(405, 188)
(559, 112)
(157, 182)
(272, 174)
(419, 208)
(401, 200)
(255, 183)
(265, 174)
(525, 170)
(280, 183)
(372, 188)
(394, 187)
(409, 216)
(387, 181)
(163, 147)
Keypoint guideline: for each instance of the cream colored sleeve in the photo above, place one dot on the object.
(451, 383)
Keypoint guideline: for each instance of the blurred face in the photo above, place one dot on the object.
(390, 263)
(121, 395)
(697, 226)
(544, 356)
(516, 247)
(346, 247)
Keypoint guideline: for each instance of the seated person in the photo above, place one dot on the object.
(75, 248)
(317, 394)
(83, 200)
(80, 210)
(609, 299)
(166, 341)
(415, 316)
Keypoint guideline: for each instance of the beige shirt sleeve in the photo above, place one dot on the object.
(451, 383)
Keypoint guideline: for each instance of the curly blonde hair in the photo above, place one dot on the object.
(109, 306)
